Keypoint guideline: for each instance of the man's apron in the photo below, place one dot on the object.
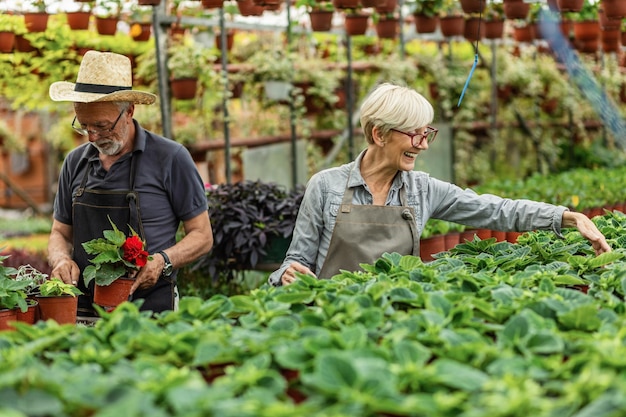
(363, 233)
(90, 208)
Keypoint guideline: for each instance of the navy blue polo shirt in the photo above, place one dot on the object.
(167, 180)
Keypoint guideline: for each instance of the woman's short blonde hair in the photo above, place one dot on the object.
(391, 106)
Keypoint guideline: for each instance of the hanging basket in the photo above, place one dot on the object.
(494, 29)
(473, 6)
(106, 26)
(212, 4)
(614, 9)
(570, 5)
(516, 9)
(249, 8)
(387, 28)
(36, 22)
(78, 20)
(474, 29)
(356, 24)
(321, 20)
(184, 88)
(148, 2)
(452, 26)
(425, 24)
(141, 31)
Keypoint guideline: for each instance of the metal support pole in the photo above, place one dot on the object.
(292, 109)
(224, 53)
(160, 42)
(349, 98)
(401, 23)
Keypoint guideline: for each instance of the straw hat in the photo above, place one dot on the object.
(102, 76)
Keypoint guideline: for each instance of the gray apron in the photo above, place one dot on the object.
(363, 233)
(90, 208)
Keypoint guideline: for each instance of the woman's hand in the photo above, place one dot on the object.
(289, 275)
(587, 229)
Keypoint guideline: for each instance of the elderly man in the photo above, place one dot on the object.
(133, 177)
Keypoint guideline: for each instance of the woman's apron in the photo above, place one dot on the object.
(363, 233)
(90, 208)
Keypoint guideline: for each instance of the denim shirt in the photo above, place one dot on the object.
(429, 197)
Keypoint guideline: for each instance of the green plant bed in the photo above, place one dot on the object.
(487, 329)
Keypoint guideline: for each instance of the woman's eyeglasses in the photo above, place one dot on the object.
(429, 135)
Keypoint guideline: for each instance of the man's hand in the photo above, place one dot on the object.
(289, 275)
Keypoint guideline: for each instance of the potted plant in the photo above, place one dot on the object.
(320, 14)
(140, 22)
(9, 25)
(250, 220)
(275, 71)
(494, 20)
(451, 19)
(426, 14)
(587, 27)
(185, 60)
(36, 15)
(12, 294)
(107, 14)
(117, 258)
(78, 18)
(57, 301)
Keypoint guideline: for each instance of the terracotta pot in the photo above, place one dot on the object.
(30, 316)
(321, 20)
(106, 26)
(426, 24)
(524, 33)
(516, 9)
(184, 88)
(623, 36)
(7, 40)
(474, 29)
(387, 28)
(148, 2)
(614, 9)
(356, 24)
(248, 8)
(499, 235)
(388, 7)
(373, 3)
(451, 239)
(113, 294)
(346, 4)
(606, 22)
(587, 30)
(212, 4)
(7, 316)
(570, 5)
(512, 236)
(494, 29)
(141, 31)
(36, 22)
(22, 44)
(567, 28)
(452, 25)
(62, 309)
(230, 40)
(78, 20)
(473, 6)
(431, 246)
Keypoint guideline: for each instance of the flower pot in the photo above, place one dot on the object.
(451, 239)
(356, 24)
(373, 3)
(78, 20)
(346, 4)
(184, 88)
(230, 40)
(431, 246)
(321, 20)
(570, 5)
(511, 237)
(22, 44)
(141, 31)
(36, 22)
(29, 316)
(62, 309)
(607, 22)
(473, 6)
(524, 33)
(387, 28)
(148, 2)
(588, 30)
(516, 9)
(499, 235)
(106, 26)
(614, 9)
(249, 8)
(452, 25)
(212, 4)
(426, 24)
(277, 90)
(113, 294)
(7, 316)
(7, 39)
(388, 6)
(494, 29)
(474, 29)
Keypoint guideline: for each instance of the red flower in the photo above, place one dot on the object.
(134, 252)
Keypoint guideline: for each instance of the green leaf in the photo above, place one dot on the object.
(457, 375)
(584, 317)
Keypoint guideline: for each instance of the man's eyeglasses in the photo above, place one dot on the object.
(429, 134)
(99, 132)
